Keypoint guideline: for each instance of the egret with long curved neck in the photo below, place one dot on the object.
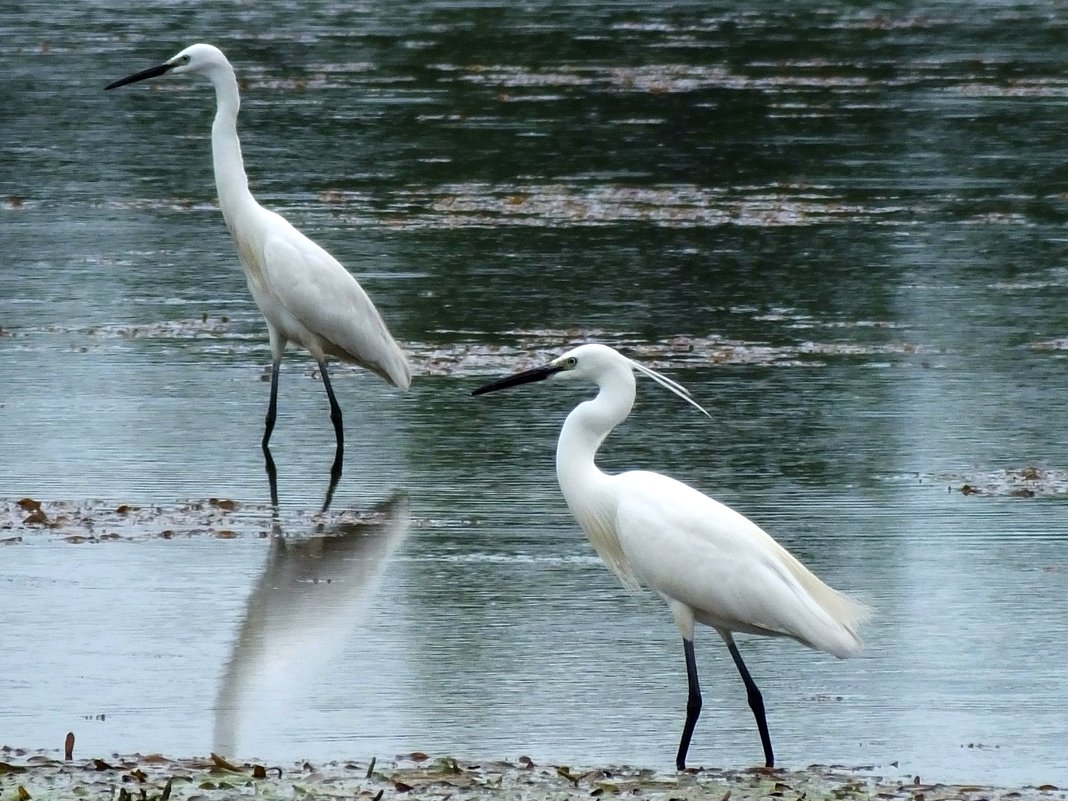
(710, 564)
(304, 293)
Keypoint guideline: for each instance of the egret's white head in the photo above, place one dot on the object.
(588, 363)
(593, 363)
(198, 59)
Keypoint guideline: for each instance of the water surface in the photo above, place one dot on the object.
(841, 228)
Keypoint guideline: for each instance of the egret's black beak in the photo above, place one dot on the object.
(151, 72)
(525, 377)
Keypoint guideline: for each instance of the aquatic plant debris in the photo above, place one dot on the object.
(1015, 482)
(40, 774)
(96, 521)
(1028, 481)
(532, 347)
(802, 341)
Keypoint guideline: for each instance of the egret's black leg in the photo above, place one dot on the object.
(335, 418)
(693, 704)
(335, 410)
(272, 407)
(756, 703)
(272, 412)
(335, 477)
(272, 477)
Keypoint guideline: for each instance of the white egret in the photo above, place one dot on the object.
(710, 564)
(304, 293)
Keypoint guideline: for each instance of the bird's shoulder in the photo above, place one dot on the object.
(285, 246)
(655, 505)
(305, 274)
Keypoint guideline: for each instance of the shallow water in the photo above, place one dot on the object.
(841, 229)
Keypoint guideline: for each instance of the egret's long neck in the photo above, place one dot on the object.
(584, 431)
(586, 489)
(230, 180)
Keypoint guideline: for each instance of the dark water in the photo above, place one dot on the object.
(840, 226)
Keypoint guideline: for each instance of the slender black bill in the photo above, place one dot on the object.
(526, 377)
(151, 72)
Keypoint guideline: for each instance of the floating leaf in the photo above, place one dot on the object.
(223, 764)
(564, 771)
(36, 518)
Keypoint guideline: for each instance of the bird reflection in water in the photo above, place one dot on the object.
(272, 480)
(302, 609)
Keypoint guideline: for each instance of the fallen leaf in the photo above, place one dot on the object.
(220, 762)
(566, 773)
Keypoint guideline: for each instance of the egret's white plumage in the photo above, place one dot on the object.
(304, 293)
(709, 563)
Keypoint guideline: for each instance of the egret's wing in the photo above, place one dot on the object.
(714, 560)
(326, 299)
